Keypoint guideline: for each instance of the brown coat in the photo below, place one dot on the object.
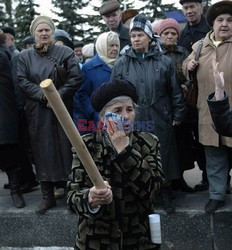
(223, 54)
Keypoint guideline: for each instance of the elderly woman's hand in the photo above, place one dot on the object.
(192, 65)
(117, 135)
(100, 196)
(218, 81)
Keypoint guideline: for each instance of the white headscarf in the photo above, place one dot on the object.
(102, 44)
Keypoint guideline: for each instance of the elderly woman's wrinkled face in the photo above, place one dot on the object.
(169, 36)
(43, 34)
(139, 40)
(126, 109)
(112, 49)
(222, 27)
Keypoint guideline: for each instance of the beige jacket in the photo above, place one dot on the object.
(223, 54)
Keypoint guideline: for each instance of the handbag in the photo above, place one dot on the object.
(59, 72)
(192, 95)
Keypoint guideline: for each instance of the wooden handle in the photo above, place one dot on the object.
(71, 131)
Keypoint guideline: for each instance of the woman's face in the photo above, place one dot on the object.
(112, 49)
(169, 37)
(139, 40)
(43, 34)
(126, 109)
(222, 27)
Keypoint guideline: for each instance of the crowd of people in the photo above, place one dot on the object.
(127, 94)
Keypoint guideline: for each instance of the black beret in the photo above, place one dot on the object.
(109, 90)
(222, 7)
(186, 1)
(28, 40)
(109, 6)
(66, 41)
(9, 29)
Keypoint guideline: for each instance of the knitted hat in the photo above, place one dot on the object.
(188, 1)
(62, 35)
(41, 19)
(8, 29)
(128, 13)
(109, 90)
(109, 6)
(215, 10)
(140, 21)
(168, 23)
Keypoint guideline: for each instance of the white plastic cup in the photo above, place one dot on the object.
(155, 229)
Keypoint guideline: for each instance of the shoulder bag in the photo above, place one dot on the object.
(191, 98)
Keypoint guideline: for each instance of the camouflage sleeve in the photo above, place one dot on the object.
(143, 171)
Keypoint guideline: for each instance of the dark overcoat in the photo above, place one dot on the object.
(160, 99)
(51, 147)
(8, 108)
(191, 34)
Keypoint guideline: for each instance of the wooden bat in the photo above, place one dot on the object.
(71, 131)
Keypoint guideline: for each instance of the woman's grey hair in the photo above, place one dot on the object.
(112, 102)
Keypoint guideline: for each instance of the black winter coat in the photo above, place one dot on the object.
(221, 115)
(188, 38)
(8, 108)
(160, 100)
(50, 146)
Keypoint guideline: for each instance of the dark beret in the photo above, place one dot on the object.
(109, 90)
(9, 29)
(78, 44)
(109, 6)
(28, 40)
(186, 1)
(215, 10)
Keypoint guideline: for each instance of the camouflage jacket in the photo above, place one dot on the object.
(135, 176)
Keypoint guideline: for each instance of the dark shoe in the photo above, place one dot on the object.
(29, 187)
(213, 205)
(49, 200)
(202, 186)
(14, 182)
(45, 205)
(18, 200)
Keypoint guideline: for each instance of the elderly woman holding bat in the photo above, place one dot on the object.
(116, 216)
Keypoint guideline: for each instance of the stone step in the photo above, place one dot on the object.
(190, 228)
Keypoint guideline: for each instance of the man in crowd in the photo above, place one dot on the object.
(111, 14)
(196, 28)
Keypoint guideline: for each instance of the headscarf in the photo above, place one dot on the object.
(102, 45)
(41, 19)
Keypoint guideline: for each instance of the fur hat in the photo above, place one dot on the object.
(109, 6)
(8, 29)
(78, 44)
(129, 13)
(140, 21)
(222, 7)
(188, 1)
(62, 35)
(109, 90)
(41, 19)
(168, 23)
